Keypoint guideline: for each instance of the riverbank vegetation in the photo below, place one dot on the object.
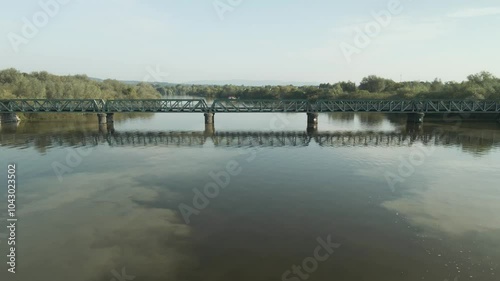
(477, 86)
(42, 85)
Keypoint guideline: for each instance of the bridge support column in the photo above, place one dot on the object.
(312, 120)
(311, 131)
(101, 118)
(414, 128)
(106, 128)
(416, 118)
(9, 118)
(111, 128)
(209, 118)
(209, 130)
(110, 118)
(103, 129)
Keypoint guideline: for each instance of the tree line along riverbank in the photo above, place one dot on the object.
(43, 85)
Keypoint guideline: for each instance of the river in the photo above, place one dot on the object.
(163, 197)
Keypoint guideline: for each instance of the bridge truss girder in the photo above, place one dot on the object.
(249, 106)
(262, 106)
(44, 105)
(173, 105)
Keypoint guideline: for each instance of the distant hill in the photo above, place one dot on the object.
(96, 79)
(155, 83)
(252, 83)
(132, 82)
(228, 82)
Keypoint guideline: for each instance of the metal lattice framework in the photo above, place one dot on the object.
(175, 105)
(260, 106)
(245, 139)
(45, 105)
(407, 106)
(392, 106)
(249, 106)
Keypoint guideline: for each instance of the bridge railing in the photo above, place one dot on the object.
(247, 106)
(51, 105)
(476, 106)
(396, 106)
(407, 106)
(170, 105)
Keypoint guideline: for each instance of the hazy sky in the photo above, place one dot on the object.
(288, 40)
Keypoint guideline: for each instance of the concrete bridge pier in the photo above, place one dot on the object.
(9, 118)
(110, 118)
(105, 129)
(209, 130)
(209, 118)
(312, 131)
(111, 128)
(414, 128)
(312, 120)
(101, 118)
(416, 118)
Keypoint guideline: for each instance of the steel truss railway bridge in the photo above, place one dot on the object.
(415, 109)
(245, 139)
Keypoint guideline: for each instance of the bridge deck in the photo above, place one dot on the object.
(248, 106)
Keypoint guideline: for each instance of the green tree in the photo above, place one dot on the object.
(373, 84)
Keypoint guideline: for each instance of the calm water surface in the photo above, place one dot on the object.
(401, 203)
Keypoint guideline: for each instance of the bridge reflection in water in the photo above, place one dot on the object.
(436, 136)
